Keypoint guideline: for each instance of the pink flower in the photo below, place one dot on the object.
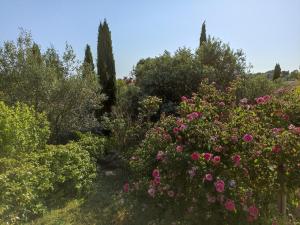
(291, 127)
(207, 156)
(195, 156)
(182, 127)
(222, 104)
(192, 173)
(218, 148)
(151, 192)
(184, 99)
(157, 180)
(276, 149)
(236, 159)
(216, 160)
(155, 173)
(248, 138)
(126, 187)
(259, 100)
(179, 148)
(160, 155)
(208, 177)
(229, 205)
(253, 212)
(277, 130)
(175, 130)
(171, 193)
(266, 98)
(193, 115)
(220, 186)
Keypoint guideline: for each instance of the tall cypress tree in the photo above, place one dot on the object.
(88, 63)
(106, 66)
(203, 34)
(277, 71)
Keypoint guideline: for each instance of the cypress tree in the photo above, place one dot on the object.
(277, 71)
(88, 64)
(36, 53)
(203, 34)
(106, 66)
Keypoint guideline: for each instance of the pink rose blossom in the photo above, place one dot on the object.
(155, 173)
(218, 148)
(229, 205)
(160, 155)
(182, 127)
(126, 187)
(216, 160)
(236, 159)
(276, 149)
(175, 130)
(192, 173)
(222, 104)
(171, 193)
(253, 212)
(195, 156)
(220, 186)
(179, 148)
(208, 177)
(207, 156)
(151, 192)
(157, 180)
(184, 98)
(248, 138)
(193, 115)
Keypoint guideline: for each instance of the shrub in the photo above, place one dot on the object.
(254, 86)
(30, 171)
(72, 168)
(93, 144)
(221, 161)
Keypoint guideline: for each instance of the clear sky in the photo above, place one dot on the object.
(267, 30)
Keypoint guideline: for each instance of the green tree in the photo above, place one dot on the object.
(168, 76)
(220, 63)
(203, 34)
(49, 84)
(277, 71)
(106, 67)
(88, 64)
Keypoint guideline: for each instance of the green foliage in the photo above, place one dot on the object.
(88, 62)
(49, 84)
(21, 130)
(203, 34)
(72, 167)
(93, 144)
(220, 63)
(106, 66)
(168, 76)
(277, 72)
(128, 96)
(253, 86)
(30, 171)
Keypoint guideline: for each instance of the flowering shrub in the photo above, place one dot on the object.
(222, 160)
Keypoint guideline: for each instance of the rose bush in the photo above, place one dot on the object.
(223, 160)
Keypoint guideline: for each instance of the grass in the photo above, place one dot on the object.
(105, 205)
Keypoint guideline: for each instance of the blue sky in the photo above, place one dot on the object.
(267, 30)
